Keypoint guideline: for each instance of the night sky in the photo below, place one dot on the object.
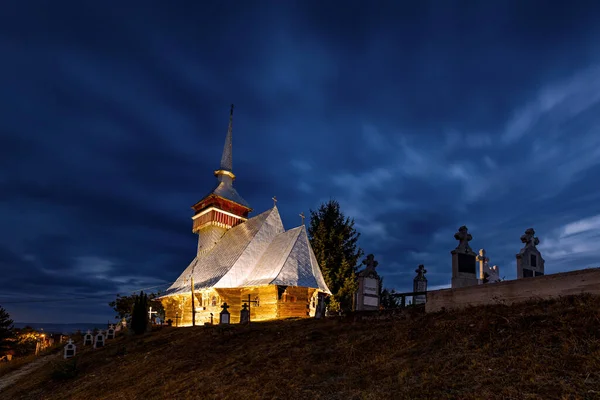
(418, 117)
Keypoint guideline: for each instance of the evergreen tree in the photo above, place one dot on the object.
(6, 330)
(386, 299)
(123, 306)
(334, 241)
(139, 315)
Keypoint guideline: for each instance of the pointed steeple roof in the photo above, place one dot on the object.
(226, 158)
(224, 174)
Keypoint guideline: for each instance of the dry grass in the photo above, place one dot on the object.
(541, 350)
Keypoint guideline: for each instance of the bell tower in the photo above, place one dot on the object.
(223, 208)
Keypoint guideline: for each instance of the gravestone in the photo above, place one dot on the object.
(244, 314)
(464, 269)
(70, 349)
(224, 315)
(367, 296)
(110, 333)
(88, 339)
(420, 285)
(321, 309)
(99, 340)
(487, 274)
(529, 260)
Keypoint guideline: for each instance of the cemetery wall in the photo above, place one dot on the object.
(519, 290)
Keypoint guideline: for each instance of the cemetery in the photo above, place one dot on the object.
(545, 349)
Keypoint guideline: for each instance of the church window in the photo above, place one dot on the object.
(214, 301)
(257, 300)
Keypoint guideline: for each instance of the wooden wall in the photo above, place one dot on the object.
(519, 290)
(267, 298)
(294, 302)
(274, 302)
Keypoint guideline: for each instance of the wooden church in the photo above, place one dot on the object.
(241, 260)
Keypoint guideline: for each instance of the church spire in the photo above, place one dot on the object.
(226, 159)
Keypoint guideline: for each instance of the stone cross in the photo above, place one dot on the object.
(529, 238)
(464, 237)
(483, 264)
(151, 312)
(370, 262)
(274, 198)
(421, 271)
(302, 216)
(225, 306)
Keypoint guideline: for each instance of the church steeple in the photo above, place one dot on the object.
(223, 207)
(226, 158)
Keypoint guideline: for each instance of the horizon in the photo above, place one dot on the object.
(417, 117)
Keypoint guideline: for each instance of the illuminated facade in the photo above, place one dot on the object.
(241, 259)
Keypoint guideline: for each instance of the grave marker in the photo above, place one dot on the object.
(70, 349)
(464, 270)
(493, 273)
(224, 315)
(529, 260)
(367, 296)
(99, 340)
(244, 314)
(88, 339)
(420, 285)
(110, 333)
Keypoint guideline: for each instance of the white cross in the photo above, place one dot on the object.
(151, 312)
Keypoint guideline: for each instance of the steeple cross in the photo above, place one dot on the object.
(274, 198)
(302, 216)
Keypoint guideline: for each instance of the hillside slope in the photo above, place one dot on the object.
(543, 350)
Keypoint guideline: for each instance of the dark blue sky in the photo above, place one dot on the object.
(418, 117)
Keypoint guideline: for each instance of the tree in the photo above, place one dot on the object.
(386, 298)
(139, 314)
(334, 241)
(6, 330)
(123, 306)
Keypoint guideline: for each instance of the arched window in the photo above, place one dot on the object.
(214, 301)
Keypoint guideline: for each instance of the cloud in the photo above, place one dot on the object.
(562, 100)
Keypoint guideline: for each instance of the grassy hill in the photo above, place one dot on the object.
(537, 350)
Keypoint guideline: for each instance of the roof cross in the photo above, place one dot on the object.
(274, 198)
(302, 216)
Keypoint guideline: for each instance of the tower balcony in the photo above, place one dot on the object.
(215, 217)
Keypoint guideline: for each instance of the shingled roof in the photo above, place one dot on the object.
(255, 253)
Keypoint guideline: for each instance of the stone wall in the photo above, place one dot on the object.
(508, 292)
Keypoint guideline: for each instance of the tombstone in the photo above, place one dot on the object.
(529, 260)
(224, 315)
(169, 322)
(244, 314)
(321, 309)
(88, 339)
(367, 296)
(464, 270)
(420, 285)
(494, 273)
(99, 340)
(110, 333)
(70, 349)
